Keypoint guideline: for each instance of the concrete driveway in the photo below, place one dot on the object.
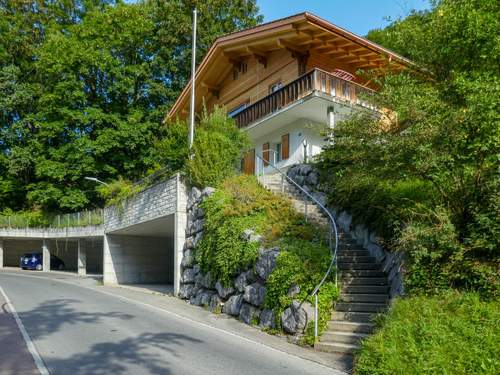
(79, 327)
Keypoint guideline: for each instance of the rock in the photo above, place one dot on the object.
(292, 172)
(255, 294)
(192, 241)
(244, 279)
(250, 236)
(215, 304)
(361, 234)
(208, 191)
(188, 258)
(267, 319)
(204, 280)
(188, 275)
(321, 198)
(205, 297)
(305, 169)
(195, 227)
(295, 318)
(288, 322)
(376, 251)
(196, 299)
(344, 220)
(313, 178)
(266, 262)
(293, 290)
(249, 314)
(193, 197)
(186, 291)
(233, 305)
(299, 179)
(224, 292)
(197, 268)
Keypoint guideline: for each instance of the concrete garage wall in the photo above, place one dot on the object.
(67, 251)
(138, 260)
(13, 249)
(94, 255)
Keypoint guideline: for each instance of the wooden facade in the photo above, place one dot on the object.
(247, 67)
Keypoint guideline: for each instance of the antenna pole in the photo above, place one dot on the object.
(193, 84)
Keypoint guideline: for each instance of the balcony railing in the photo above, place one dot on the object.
(315, 80)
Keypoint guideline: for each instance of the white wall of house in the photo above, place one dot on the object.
(300, 131)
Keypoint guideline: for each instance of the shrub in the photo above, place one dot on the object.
(217, 149)
(241, 203)
(451, 333)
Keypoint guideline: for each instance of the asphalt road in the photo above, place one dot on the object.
(82, 331)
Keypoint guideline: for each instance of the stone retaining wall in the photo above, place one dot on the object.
(393, 263)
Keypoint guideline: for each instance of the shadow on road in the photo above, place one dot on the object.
(49, 316)
(144, 353)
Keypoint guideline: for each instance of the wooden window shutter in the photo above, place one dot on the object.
(265, 153)
(285, 146)
(249, 162)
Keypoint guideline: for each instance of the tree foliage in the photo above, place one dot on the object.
(428, 177)
(84, 85)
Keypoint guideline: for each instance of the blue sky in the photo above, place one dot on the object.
(358, 16)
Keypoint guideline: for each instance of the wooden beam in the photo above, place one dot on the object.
(258, 54)
(290, 46)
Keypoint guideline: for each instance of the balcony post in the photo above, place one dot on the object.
(331, 122)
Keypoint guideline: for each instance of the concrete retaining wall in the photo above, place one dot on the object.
(138, 260)
(13, 249)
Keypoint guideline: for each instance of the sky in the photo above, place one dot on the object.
(357, 16)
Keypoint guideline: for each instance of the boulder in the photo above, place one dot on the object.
(196, 298)
(233, 305)
(215, 304)
(255, 294)
(249, 314)
(295, 318)
(305, 169)
(344, 220)
(188, 258)
(195, 227)
(321, 198)
(208, 191)
(313, 178)
(193, 197)
(188, 275)
(224, 292)
(186, 291)
(293, 290)
(244, 279)
(204, 280)
(206, 296)
(266, 262)
(250, 236)
(267, 319)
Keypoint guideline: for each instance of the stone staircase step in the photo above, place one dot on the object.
(351, 246)
(364, 289)
(346, 326)
(342, 337)
(351, 281)
(351, 273)
(359, 266)
(343, 251)
(375, 298)
(356, 259)
(330, 347)
(360, 307)
(352, 316)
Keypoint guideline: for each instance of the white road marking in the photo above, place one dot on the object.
(31, 347)
(159, 309)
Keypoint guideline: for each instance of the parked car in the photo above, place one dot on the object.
(34, 261)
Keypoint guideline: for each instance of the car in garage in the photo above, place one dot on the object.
(34, 261)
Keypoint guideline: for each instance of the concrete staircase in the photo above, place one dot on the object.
(364, 287)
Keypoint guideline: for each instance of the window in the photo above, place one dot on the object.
(275, 87)
(278, 152)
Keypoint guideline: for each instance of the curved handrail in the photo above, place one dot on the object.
(333, 227)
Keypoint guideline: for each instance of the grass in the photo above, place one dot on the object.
(453, 333)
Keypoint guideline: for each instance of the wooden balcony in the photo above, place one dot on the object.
(316, 80)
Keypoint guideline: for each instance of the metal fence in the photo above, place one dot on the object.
(76, 219)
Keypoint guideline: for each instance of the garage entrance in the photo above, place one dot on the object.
(141, 254)
(14, 249)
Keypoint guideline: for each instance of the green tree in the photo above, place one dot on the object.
(428, 178)
(84, 86)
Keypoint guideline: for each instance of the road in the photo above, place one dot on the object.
(78, 330)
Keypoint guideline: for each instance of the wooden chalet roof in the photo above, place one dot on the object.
(299, 33)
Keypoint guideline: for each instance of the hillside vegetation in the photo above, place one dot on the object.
(428, 181)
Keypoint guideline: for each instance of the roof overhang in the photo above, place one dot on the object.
(298, 33)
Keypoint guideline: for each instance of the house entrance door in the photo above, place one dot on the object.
(249, 162)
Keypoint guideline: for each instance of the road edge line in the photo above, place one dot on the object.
(27, 339)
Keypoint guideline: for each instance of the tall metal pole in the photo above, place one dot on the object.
(193, 83)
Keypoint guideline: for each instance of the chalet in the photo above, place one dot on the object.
(284, 80)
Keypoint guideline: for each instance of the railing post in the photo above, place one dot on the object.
(315, 316)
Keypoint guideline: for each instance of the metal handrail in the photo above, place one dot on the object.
(333, 228)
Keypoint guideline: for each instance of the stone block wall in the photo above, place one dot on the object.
(157, 201)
